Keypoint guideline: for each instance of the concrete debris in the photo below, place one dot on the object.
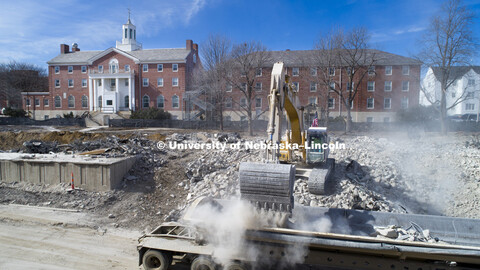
(412, 233)
(40, 147)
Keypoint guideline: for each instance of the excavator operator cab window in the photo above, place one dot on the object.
(315, 142)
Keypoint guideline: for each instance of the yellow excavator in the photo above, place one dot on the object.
(292, 152)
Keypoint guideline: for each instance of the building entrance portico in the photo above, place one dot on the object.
(113, 91)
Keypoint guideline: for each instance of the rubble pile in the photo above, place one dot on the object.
(412, 233)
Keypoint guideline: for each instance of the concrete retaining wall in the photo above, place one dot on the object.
(93, 174)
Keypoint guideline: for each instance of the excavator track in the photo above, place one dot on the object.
(267, 185)
(319, 177)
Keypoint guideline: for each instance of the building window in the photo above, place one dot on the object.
(370, 103)
(37, 102)
(243, 102)
(146, 101)
(312, 100)
(84, 69)
(70, 69)
(160, 82)
(404, 103)
(405, 70)
(350, 86)
(131, 31)
(99, 102)
(387, 103)
(369, 119)
(57, 69)
(258, 86)
(258, 102)
(84, 83)
(228, 103)
(313, 71)
(46, 102)
(471, 82)
(174, 67)
(100, 69)
(46, 117)
(331, 71)
(331, 103)
(160, 101)
(145, 67)
(126, 82)
(405, 85)
(109, 102)
(126, 30)
(57, 83)
(145, 81)
(113, 65)
(70, 83)
(370, 86)
(469, 107)
(296, 86)
(470, 95)
(58, 102)
(244, 87)
(175, 102)
(388, 86)
(388, 70)
(332, 86)
(258, 72)
(371, 70)
(313, 86)
(84, 101)
(229, 88)
(174, 81)
(126, 101)
(71, 102)
(99, 82)
(295, 71)
(160, 67)
(27, 102)
(127, 68)
(113, 83)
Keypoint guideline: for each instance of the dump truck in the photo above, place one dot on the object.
(349, 243)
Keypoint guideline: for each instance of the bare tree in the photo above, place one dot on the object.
(215, 54)
(345, 53)
(246, 63)
(448, 43)
(16, 77)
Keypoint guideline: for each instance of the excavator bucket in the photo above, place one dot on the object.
(267, 185)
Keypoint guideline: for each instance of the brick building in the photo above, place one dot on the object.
(392, 85)
(117, 80)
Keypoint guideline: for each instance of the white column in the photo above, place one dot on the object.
(90, 94)
(134, 92)
(130, 93)
(116, 106)
(95, 93)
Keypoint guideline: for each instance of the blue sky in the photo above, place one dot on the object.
(33, 30)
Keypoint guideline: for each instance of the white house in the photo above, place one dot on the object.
(464, 90)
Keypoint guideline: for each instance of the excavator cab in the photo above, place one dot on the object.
(316, 139)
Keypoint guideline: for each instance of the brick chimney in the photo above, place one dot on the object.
(189, 45)
(64, 48)
(195, 47)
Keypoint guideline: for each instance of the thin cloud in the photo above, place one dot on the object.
(35, 30)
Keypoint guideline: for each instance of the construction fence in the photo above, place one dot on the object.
(49, 122)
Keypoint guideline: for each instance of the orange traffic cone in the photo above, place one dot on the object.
(73, 185)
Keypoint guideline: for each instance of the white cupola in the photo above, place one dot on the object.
(129, 37)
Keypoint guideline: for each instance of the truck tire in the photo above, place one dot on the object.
(155, 260)
(235, 266)
(202, 263)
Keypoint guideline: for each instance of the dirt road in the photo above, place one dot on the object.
(49, 238)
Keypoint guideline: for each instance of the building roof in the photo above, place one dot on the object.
(456, 72)
(148, 55)
(307, 58)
